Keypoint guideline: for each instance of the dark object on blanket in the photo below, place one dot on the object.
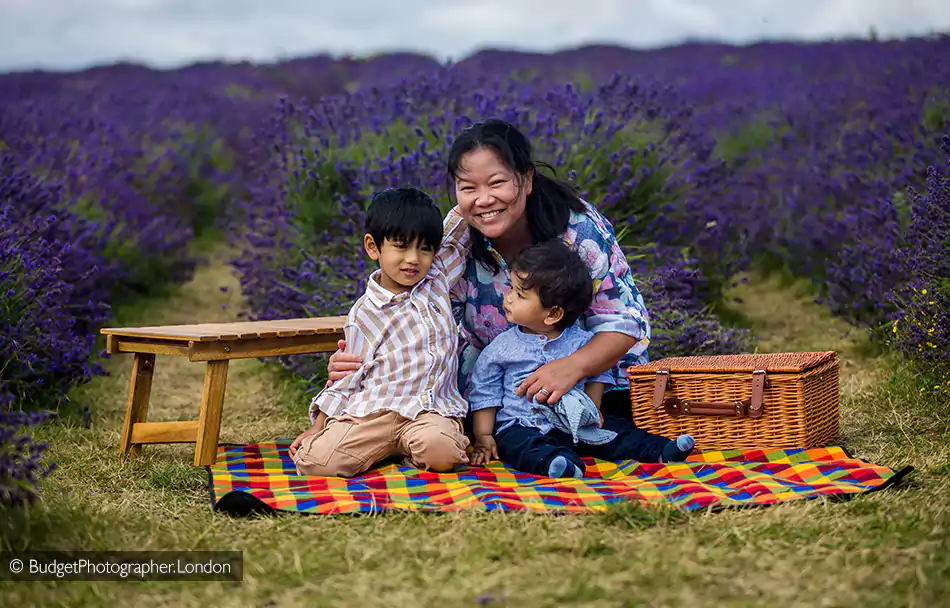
(780, 400)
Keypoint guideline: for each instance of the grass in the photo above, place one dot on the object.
(883, 549)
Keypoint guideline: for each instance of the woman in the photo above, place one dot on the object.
(509, 206)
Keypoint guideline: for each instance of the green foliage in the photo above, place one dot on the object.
(918, 330)
(313, 195)
(208, 196)
(398, 138)
(757, 134)
(238, 91)
(583, 82)
(905, 209)
(326, 177)
(937, 113)
(590, 159)
(87, 207)
(729, 59)
(524, 74)
(203, 194)
(147, 273)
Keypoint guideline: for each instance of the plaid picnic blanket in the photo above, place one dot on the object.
(261, 477)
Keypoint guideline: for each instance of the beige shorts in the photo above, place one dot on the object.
(348, 446)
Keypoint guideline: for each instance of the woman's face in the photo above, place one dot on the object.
(491, 196)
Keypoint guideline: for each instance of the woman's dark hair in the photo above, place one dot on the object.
(404, 214)
(560, 277)
(551, 201)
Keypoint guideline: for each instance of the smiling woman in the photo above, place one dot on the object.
(510, 206)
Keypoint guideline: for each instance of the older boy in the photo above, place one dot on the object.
(403, 401)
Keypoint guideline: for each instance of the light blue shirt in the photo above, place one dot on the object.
(510, 358)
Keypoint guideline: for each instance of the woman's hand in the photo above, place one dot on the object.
(603, 352)
(342, 364)
(557, 377)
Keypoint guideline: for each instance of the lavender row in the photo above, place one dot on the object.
(105, 179)
(53, 299)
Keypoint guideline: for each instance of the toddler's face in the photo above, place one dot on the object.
(403, 264)
(523, 307)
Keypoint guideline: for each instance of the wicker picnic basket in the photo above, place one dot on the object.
(781, 400)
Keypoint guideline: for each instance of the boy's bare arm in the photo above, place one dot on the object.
(483, 421)
(595, 390)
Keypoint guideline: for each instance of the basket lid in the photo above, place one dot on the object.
(770, 362)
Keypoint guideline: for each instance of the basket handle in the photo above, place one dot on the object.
(751, 407)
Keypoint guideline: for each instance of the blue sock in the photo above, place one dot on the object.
(677, 451)
(562, 467)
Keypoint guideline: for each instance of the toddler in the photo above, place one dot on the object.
(550, 288)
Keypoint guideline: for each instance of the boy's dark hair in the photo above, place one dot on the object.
(404, 214)
(551, 202)
(560, 277)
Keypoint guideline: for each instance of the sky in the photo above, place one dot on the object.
(74, 34)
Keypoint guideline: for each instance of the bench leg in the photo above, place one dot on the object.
(140, 387)
(209, 421)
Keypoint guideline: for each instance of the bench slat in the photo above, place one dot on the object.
(245, 330)
(269, 347)
(180, 350)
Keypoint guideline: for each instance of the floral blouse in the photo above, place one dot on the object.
(617, 305)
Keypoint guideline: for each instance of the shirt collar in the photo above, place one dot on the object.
(381, 297)
(542, 337)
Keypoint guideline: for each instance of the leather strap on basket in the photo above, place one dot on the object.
(751, 407)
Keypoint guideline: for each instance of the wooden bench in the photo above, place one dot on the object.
(214, 344)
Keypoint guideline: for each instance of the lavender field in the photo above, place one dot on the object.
(827, 164)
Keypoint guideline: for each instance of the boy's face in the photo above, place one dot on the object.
(523, 307)
(403, 264)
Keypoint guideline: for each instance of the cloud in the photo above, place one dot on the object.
(68, 34)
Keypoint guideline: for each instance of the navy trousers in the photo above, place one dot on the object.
(526, 449)
(616, 402)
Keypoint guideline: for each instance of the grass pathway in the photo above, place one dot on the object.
(786, 318)
(883, 549)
